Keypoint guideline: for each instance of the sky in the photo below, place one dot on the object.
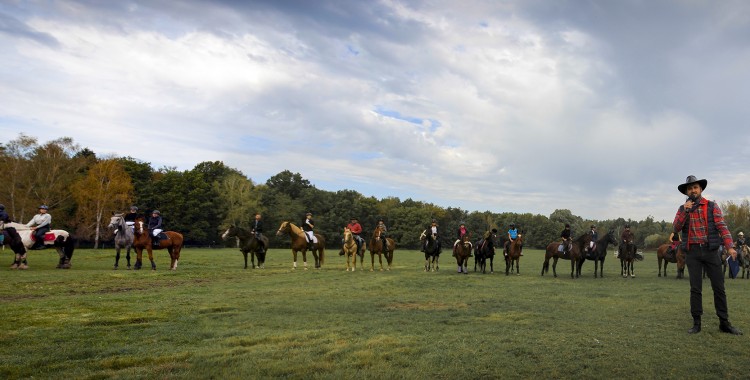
(599, 107)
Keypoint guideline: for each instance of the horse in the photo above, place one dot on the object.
(431, 251)
(744, 253)
(299, 243)
(599, 253)
(123, 237)
(351, 252)
(627, 257)
(573, 253)
(484, 249)
(463, 250)
(376, 248)
(248, 244)
(142, 239)
(679, 259)
(61, 240)
(12, 239)
(512, 255)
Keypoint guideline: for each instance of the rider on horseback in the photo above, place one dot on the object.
(594, 238)
(462, 230)
(433, 230)
(41, 223)
(383, 232)
(307, 227)
(257, 230)
(356, 230)
(627, 237)
(565, 236)
(155, 227)
(512, 236)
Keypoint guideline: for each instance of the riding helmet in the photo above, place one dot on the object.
(43, 207)
(156, 212)
(133, 208)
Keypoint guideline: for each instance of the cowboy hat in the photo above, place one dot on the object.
(691, 179)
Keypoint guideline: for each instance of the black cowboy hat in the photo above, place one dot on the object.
(691, 179)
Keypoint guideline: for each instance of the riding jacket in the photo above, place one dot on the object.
(40, 220)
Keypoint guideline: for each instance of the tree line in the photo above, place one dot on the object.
(83, 190)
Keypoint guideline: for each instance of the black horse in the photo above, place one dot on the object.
(431, 251)
(12, 239)
(249, 244)
(599, 253)
(484, 249)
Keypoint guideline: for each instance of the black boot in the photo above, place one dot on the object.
(696, 328)
(727, 327)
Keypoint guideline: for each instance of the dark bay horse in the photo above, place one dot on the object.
(299, 244)
(627, 257)
(599, 253)
(574, 254)
(463, 250)
(351, 252)
(123, 237)
(431, 251)
(513, 255)
(484, 250)
(377, 248)
(248, 244)
(678, 258)
(142, 239)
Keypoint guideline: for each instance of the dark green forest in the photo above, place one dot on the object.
(83, 190)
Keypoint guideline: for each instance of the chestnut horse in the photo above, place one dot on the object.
(573, 253)
(143, 239)
(678, 258)
(600, 252)
(463, 250)
(299, 244)
(248, 244)
(376, 248)
(351, 252)
(513, 255)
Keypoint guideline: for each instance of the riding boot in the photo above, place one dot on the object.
(341, 252)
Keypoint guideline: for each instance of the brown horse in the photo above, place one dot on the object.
(249, 244)
(351, 252)
(376, 248)
(744, 253)
(679, 259)
(463, 250)
(299, 244)
(513, 255)
(627, 258)
(572, 252)
(142, 239)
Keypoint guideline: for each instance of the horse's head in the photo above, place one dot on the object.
(230, 232)
(116, 221)
(347, 234)
(283, 228)
(611, 237)
(138, 226)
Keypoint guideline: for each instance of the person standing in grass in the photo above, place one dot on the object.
(704, 230)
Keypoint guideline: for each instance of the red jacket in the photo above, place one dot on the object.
(356, 228)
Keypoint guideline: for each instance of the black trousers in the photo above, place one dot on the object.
(699, 258)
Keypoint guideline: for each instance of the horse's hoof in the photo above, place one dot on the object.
(115, 268)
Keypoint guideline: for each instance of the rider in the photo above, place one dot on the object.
(626, 236)
(674, 240)
(155, 227)
(131, 217)
(308, 226)
(740, 243)
(356, 230)
(432, 229)
(594, 238)
(565, 236)
(462, 230)
(512, 236)
(383, 232)
(41, 223)
(257, 230)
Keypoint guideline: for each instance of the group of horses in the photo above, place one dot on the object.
(138, 237)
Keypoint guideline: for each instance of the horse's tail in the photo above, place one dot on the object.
(69, 246)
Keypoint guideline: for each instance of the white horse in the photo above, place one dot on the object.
(123, 237)
(59, 239)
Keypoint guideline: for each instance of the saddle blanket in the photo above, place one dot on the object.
(48, 236)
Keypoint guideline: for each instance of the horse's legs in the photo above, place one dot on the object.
(554, 267)
(245, 255)
(294, 259)
(127, 255)
(151, 256)
(252, 258)
(117, 255)
(380, 260)
(492, 264)
(372, 261)
(138, 258)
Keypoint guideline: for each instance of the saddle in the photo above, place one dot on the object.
(48, 236)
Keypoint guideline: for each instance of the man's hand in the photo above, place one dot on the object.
(733, 253)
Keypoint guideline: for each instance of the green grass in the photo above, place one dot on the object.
(213, 319)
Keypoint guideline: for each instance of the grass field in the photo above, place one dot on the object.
(213, 319)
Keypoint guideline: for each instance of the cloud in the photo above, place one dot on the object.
(518, 106)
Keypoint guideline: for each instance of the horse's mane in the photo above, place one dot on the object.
(293, 227)
(583, 238)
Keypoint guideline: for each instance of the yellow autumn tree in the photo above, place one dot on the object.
(106, 188)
